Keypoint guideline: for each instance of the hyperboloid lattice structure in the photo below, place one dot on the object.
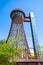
(18, 17)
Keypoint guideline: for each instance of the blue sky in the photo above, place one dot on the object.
(36, 6)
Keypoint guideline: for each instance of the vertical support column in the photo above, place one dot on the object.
(34, 36)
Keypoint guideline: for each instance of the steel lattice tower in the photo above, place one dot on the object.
(18, 17)
(17, 27)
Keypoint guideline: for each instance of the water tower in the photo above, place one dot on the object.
(18, 17)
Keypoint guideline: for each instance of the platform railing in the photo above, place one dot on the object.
(30, 62)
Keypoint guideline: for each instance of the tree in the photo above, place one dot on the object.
(41, 47)
(9, 52)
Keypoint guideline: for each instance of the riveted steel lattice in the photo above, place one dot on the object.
(18, 17)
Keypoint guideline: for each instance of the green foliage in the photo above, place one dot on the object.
(41, 47)
(9, 52)
(33, 57)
